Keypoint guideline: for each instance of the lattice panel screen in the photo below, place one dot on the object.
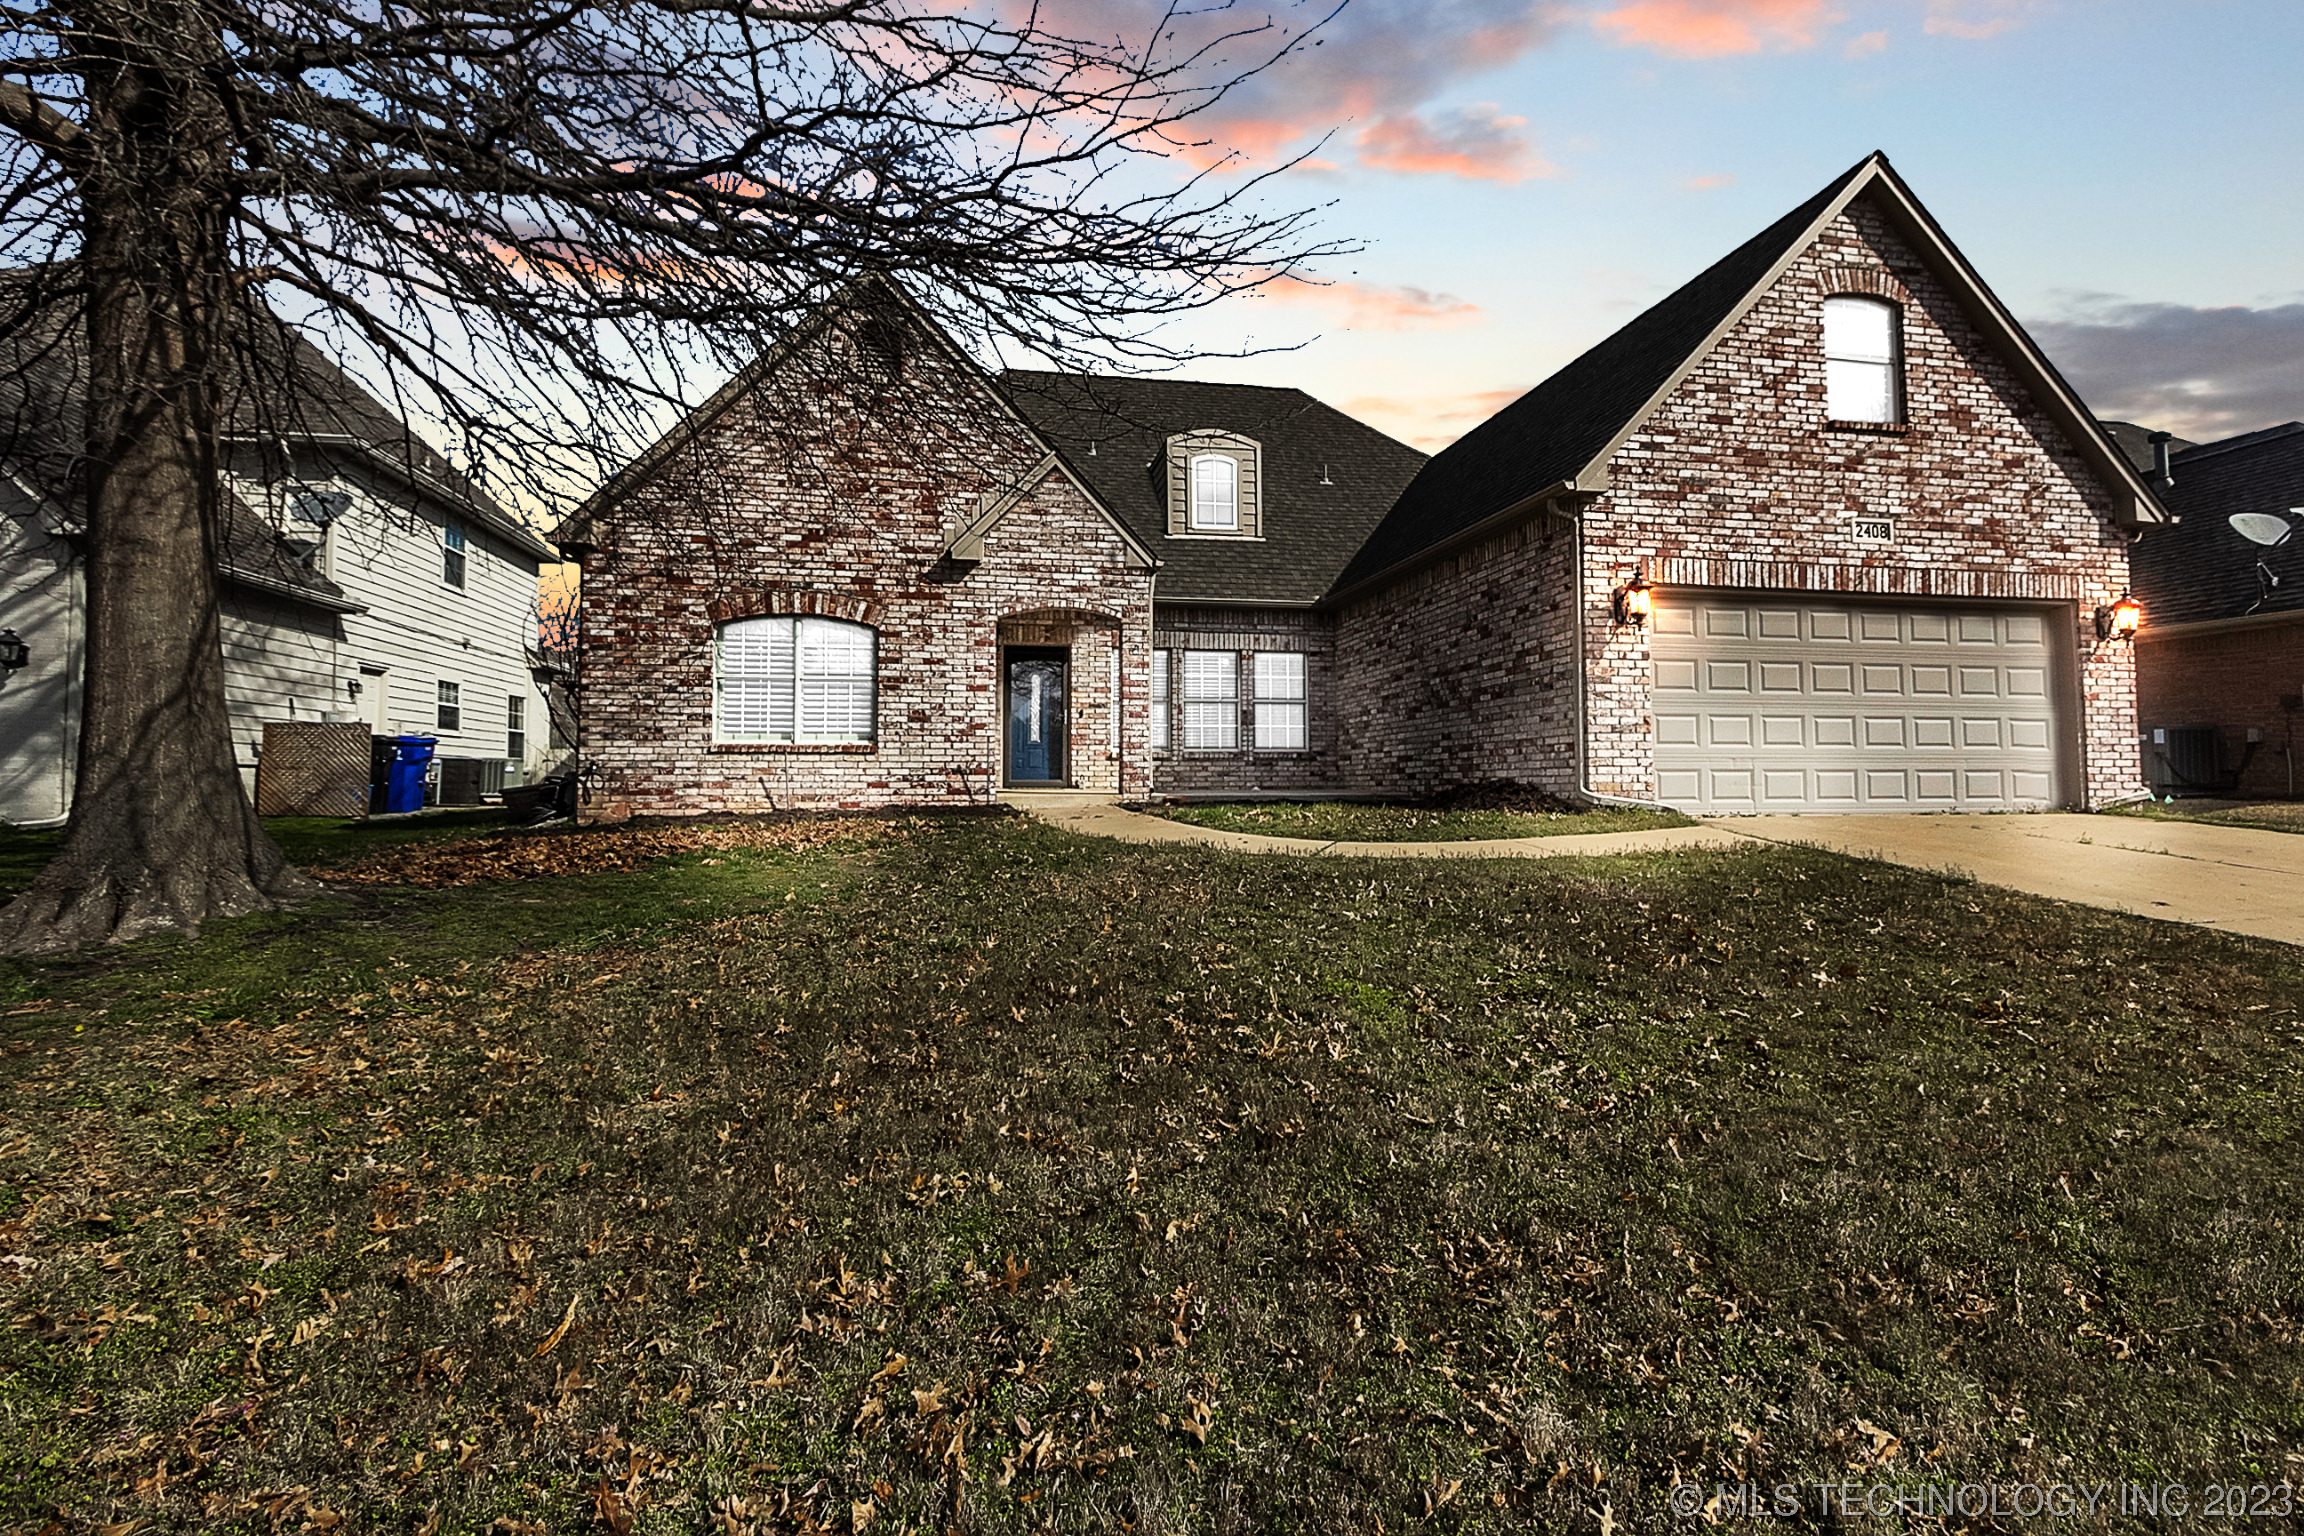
(313, 769)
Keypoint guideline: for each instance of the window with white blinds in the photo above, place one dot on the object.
(794, 679)
(1159, 701)
(1860, 360)
(1280, 709)
(1211, 701)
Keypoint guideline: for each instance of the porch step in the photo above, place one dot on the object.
(1053, 799)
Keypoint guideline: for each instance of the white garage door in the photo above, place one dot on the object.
(1774, 705)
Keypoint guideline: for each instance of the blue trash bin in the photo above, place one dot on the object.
(411, 755)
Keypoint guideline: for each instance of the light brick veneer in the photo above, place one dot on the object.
(2248, 675)
(1737, 482)
(819, 493)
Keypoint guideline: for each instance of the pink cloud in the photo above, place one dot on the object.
(1866, 44)
(1431, 421)
(1372, 61)
(1370, 307)
(1707, 183)
(1945, 18)
(1477, 143)
(1705, 29)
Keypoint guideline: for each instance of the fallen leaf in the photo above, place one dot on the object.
(552, 1340)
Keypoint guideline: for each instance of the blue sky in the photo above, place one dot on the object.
(1524, 178)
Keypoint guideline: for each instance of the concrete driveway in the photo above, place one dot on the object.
(2233, 878)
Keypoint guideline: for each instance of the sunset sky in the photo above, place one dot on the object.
(1525, 178)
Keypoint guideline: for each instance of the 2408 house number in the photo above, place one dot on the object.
(1873, 530)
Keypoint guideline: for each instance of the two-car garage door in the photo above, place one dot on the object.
(1776, 705)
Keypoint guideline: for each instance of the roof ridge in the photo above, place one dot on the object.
(1143, 378)
(2244, 440)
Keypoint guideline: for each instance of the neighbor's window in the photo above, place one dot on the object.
(1280, 725)
(794, 679)
(1860, 360)
(1159, 701)
(515, 728)
(452, 554)
(451, 716)
(1211, 701)
(1216, 492)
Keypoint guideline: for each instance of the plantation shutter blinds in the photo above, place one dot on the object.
(1211, 701)
(835, 681)
(756, 682)
(1280, 724)
(1159, 701)
(1859, 360)
(795, 679)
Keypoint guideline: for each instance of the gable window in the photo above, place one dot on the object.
(451, 715)
(1211, 701)
(1860, 382)
(515, 728)
(452, 554)
(794, 679)
(1215, 493)
(1159, 701)
(1280, 723)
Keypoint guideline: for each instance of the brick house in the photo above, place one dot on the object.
(2220, 654)
(1822, 530)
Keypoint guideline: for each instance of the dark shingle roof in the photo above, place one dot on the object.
(1328, 479)
(2135, 443)
(281, 385)
(2203, 567)
(1555, 429)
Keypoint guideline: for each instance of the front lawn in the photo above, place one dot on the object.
(2267, 815)
(968, 1175)
(1345, 821)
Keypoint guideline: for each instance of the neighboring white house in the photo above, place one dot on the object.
(362, 578)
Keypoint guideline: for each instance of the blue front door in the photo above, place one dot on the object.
(1036, 716)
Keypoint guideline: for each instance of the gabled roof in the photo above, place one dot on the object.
(279, 386)
(2205, 569)
(1327, 479)
(2135, 443)
(1558, 437)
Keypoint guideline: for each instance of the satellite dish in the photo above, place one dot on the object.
(2261, 527)
(324, 507)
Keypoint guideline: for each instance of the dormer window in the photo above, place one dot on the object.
(1215, 493)
(1214, 481)
(1860, 362)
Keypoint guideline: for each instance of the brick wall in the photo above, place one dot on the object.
(1465, 670)
(1242, 632)
(822, 492)
(2232, 680)
(1737, 482)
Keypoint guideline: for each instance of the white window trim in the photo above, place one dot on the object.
(795, 698)
(1219, 730)
(456, 555)
(447, 696)
(1888, 368)
(1161, 734)
(1193, 521)
(1279, 701)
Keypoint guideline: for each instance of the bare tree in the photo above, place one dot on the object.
(527, 215)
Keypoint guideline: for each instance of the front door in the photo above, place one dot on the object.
(1036, 714)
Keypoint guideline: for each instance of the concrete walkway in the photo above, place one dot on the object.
(2231, 878)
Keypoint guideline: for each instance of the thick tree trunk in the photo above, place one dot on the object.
(161, 835)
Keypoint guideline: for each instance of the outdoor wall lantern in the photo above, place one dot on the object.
(2118, 621)
(1632, 602)
(14, 652)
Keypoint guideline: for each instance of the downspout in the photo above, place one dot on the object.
(1583, 713)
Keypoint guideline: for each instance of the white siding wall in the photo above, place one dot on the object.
(421, 631)
(280, 663)
(41, 599)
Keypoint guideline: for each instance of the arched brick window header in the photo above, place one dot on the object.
(769, 602)
(1871, 282)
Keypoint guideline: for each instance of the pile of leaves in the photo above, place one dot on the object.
(528, 854)
(1503, 795)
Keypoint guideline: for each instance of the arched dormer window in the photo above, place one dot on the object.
(793, 678)
(1214, 483)
(1861, 373)
(1215, 493)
